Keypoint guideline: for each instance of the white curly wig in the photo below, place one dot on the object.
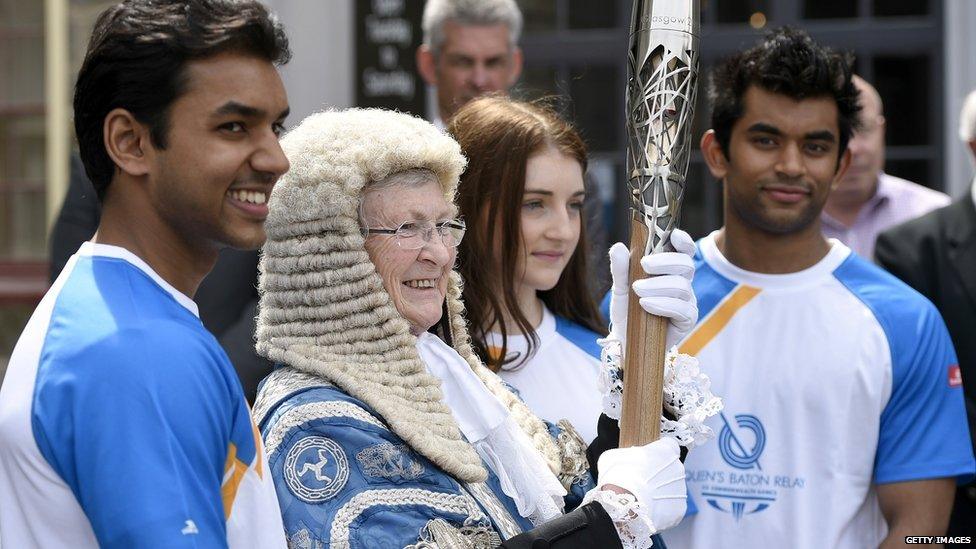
(323, 308)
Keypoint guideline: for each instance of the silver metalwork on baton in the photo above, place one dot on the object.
(661, 90)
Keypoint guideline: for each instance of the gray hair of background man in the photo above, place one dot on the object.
(967, 118)
(469, 13)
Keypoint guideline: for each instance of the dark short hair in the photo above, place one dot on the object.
(137, 57)
(786, 62)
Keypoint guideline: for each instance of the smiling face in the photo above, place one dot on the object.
(222, 158)
(552, 207)
(782, 162)
(415, 279)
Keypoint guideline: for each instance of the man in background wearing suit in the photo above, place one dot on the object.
(936, 255)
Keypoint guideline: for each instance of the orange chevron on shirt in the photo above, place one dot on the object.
(234, 470)
(708, 328)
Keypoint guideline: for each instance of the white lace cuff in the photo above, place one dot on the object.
(687, 393)
(688, 396)
(631, 519)
(611, 379)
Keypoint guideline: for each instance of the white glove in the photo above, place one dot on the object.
(667, 292)
(654, 474)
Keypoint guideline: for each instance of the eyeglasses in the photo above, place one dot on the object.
(413, 235)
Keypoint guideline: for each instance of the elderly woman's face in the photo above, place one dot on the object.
(415, 279)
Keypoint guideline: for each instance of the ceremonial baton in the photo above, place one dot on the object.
(661, 88)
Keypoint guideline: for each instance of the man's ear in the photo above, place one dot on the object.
(517, 61)
(127, 142)
(714, 156)
(427, 64)
(972, 147)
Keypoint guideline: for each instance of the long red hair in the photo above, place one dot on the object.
(498, 135)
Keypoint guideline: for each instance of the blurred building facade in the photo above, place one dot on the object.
(348, 52)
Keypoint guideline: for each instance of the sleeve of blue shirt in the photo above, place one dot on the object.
(137, 425)
(923, 432)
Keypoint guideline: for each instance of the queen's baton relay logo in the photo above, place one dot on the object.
(734, 451)
(744, 487)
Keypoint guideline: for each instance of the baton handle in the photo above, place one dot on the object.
(643, 398)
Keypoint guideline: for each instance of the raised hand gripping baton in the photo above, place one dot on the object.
(661, 89)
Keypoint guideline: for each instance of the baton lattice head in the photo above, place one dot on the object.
(661, 94)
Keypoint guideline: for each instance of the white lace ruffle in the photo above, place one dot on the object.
(611, 378)
(522, 473)
(631, 519)
(490, 428)
(687, 393)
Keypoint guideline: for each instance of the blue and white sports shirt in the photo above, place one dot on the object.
(123, 424)
(835, 379)
(561, 380)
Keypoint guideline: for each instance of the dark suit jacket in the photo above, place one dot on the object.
(936, 255)
(227, 297)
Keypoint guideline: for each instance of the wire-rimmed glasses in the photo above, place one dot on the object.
(413, 235)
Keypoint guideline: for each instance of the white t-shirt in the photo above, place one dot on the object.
(123, 423)
(835, 379)
(561, 380)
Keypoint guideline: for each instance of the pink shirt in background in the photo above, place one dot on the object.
(897, 200)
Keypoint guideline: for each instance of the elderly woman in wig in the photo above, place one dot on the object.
(523, 261)
(382, 427)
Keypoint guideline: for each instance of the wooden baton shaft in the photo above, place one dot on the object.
(643, 398)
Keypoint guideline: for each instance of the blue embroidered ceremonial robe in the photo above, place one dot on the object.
(344, 479)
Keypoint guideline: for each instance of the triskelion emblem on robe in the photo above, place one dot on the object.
(316, 469)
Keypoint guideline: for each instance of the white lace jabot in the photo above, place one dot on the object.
(486, 423)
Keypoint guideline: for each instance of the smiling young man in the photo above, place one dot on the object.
(122, 422)
(842, 425)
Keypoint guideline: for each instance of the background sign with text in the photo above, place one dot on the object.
(387, 36)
